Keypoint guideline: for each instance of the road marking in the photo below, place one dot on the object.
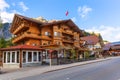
(67, 78)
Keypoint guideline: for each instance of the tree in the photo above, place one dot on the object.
(86, 55)
(9, 43)
(73, 53)
(2, 43)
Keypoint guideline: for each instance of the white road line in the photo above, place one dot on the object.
(67, 78)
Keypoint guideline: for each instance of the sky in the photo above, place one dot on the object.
(101, 16)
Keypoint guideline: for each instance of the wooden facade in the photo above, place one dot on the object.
(57, 34)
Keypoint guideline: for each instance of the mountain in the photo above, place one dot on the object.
(5, 31)
(116, 43)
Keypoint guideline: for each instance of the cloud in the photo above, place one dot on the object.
(73, 19)
(110, 33)
(3, 5)
(5, 15)
(83, 11)
(23, 6)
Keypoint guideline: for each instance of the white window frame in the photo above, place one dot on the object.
(11, 52)
(47, 33)
(57, 34)
(37, 61)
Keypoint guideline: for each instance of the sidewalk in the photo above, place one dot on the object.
(31, 71)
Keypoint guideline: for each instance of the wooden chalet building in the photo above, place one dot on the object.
(33, 32)
(62, 34)
(56, 37)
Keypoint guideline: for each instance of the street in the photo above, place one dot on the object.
(105, 70)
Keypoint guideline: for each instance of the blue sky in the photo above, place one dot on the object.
(102, 16)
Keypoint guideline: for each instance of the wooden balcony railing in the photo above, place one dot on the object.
(67, 32)
(20, 28)
(68, 41)
(30, 35)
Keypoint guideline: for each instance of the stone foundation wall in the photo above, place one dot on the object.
(11, 65)
(31, 64)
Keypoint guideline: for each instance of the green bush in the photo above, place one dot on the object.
(73, 54)
(86, 55)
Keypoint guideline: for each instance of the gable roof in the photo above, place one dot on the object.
(107, 46)
(27, 18)
(69, 22)
(17, 16)
(22, 47)
(91, 40)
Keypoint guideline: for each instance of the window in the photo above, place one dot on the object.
(13, 57)
(39, 56)
(34, 44)
(34, 56)
(57, 34)
(4, 57)
(47, 34)
(24, 56)
(29, 56)
(8, 57)
(17, 56)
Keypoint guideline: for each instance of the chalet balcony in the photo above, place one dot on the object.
(27, 35)
(68, 32)
(20, 28)
(58, 38)
(68, 41)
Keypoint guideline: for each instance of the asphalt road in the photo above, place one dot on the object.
(106, 70)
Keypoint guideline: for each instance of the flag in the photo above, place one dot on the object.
(66, 13)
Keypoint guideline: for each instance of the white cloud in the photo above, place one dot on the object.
(5, 15)
(3, 5)
(73, 19)
(110, 33)
(23, 6)
(83, 11)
